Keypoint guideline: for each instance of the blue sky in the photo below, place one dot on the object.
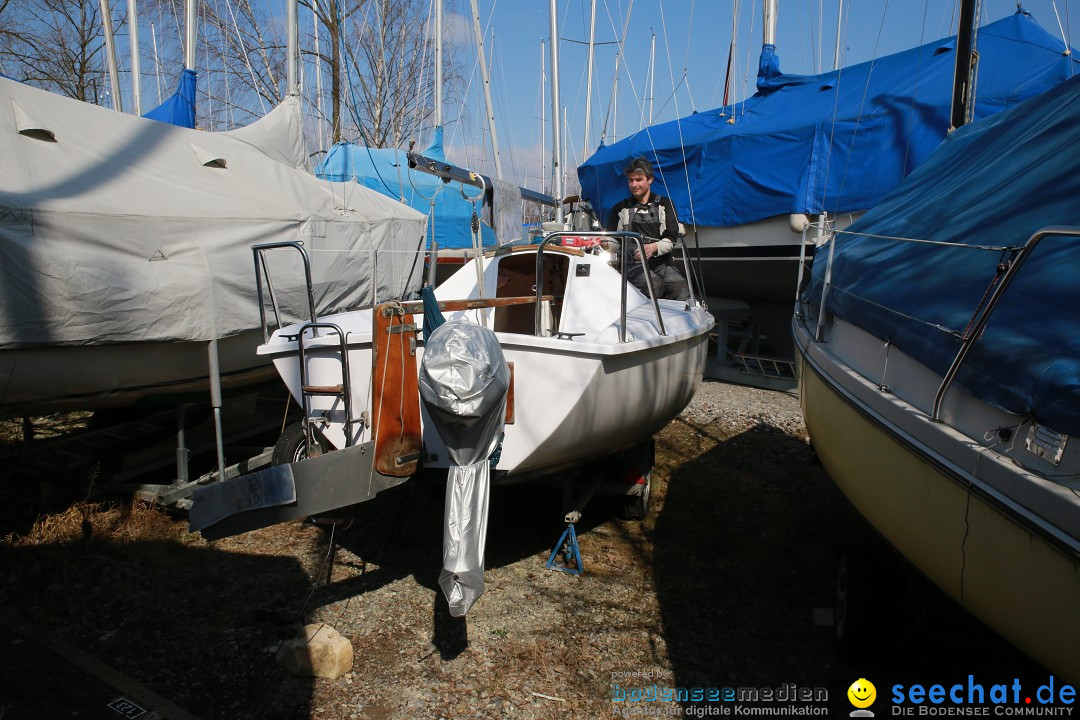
(692, 40)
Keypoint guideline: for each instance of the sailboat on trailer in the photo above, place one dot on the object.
(596, 369)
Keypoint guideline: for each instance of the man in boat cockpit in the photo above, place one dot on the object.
(654, 217)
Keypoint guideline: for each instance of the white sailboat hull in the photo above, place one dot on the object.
(568, 404)
(573, 397)
(1001, 540)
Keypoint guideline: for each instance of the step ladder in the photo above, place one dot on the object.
(341, 390)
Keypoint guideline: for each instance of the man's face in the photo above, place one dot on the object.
(639, 184)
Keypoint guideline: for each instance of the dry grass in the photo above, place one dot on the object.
(113, 521)
(44, 426)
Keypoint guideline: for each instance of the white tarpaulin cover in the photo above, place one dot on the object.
(115, 228)
(463, 384)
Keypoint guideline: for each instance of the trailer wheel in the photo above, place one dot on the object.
(290, 446)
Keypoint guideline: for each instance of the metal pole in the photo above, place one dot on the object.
(110, 51)
(615, 101)
(136, 70)
(652, 73)
(438, 63)
(839, 26)
(318, 72)
(588, 84)
(290, 49)
(215, 402)
(768, 20)
(565, 162)
(543, 120)
(487, 90)
(556, 125)
(190, 14)
(157, 61)
(965, 41)
(182, 454)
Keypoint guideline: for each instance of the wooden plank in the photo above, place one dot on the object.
(415, 306)
(510, 396)
(324, 389)
(395, 393)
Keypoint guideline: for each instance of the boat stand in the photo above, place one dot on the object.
(567, 547)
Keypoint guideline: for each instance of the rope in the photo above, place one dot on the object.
(247, 60)
(352, 96)
(615, 79)
(918, 67)
(746, 68)
(858, 118)
(1060, 28)
(991, 248)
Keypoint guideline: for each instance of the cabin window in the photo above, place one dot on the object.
(517, 275)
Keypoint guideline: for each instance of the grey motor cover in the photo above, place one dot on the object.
(463, 384)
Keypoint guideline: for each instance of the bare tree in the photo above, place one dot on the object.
(383, 92)
(56, 45)
(385, 57)
(378, 55)
(389, 55)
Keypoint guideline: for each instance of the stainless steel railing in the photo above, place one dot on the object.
(980, 324)
(639, 241)
(261, 270)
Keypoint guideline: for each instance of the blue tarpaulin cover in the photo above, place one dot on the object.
(179, 109)
(838, 141)
(993, 183)
(387, 171)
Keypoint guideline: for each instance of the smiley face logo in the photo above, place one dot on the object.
(862, 693)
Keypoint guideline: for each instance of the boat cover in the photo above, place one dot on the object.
(993, 183)
(835, 142)
(463, 384)
(116, 228)
(178, 108)
(449, 206)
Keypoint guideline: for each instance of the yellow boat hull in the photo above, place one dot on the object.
(1009, 576)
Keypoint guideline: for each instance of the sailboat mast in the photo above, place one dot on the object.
(652, 75)
(729, 74)
(110, 51)
(438, 63)
(543, 120)
(588, 84)
(157, 61)
(768, 23)
(290, 49)
(136, 70)
(189, 34)
(487, 89)
(963, 85)
(556, 125)
(839, 29)
(565, 164)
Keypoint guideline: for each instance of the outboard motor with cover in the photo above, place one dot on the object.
(463, 384)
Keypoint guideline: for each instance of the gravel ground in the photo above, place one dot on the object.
(728, 582)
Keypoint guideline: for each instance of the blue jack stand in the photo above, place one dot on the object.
(571, 554)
